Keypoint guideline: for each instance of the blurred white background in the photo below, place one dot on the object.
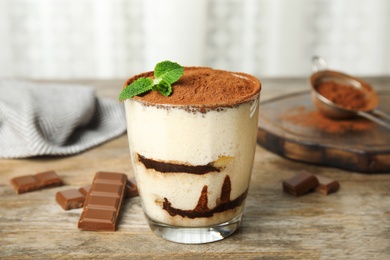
(105, 39)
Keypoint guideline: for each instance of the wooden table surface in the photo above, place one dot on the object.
(353, 223)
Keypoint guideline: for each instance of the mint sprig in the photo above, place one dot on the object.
(165, 74)
(139, 86)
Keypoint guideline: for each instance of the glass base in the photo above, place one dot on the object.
(195, 235)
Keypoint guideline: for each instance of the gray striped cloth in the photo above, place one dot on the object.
(55, 119)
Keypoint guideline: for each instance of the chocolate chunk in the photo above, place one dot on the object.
(38, 181)
(48, 179)
(300, 184)
(70, 199)
(84, 190)
(25, 183)
(326, 186)
(103, 202)
(131, 188)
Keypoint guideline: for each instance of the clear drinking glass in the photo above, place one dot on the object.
(193, 165)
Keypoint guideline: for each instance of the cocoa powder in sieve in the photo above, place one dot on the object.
(345, 96)
(201, 86)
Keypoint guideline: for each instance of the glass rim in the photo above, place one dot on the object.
(200, 107)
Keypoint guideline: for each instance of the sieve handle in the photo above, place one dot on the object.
(371, 116)
(381, 114)
(318, 64)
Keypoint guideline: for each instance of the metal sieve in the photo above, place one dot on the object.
(332, 110)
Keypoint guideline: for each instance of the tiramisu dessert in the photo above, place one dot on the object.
(192, 151)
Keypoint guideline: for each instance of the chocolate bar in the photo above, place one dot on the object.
(326, 186)
(38, 181)
(300, 184)
(103, 202)
(70, 199)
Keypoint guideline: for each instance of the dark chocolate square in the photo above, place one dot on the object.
(326, 186)
(300, 184)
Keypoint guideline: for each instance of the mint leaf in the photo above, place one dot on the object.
(168, 71)
(164, 88)
(165, 74)
(139, 86)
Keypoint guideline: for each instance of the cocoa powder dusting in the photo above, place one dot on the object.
(346, 96)
(200, 86)
(301, 116)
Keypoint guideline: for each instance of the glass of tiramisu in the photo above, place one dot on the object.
(192, 152)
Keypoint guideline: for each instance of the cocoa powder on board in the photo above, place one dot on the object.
(201, 86)
(308, 118)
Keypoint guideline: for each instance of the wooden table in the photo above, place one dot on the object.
(353, 223)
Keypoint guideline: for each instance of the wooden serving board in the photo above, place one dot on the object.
(292, 127)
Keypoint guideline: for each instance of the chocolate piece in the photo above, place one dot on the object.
(326, 186)
(70, 199)
(25, 183)
(38, 181)
(103, 202)
(300, 184)
(84, 190)
(48, 179)
(131, 188)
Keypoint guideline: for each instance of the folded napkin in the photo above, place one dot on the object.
(54, 119)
